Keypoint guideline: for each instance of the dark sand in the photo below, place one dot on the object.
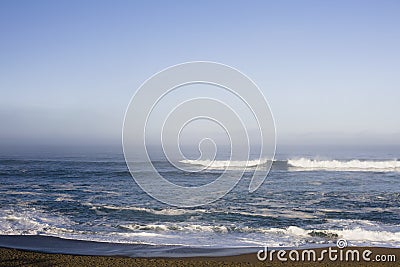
(13, 257)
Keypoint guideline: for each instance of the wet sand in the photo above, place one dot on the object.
(13, 257)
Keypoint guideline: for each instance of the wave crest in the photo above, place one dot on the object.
(222, 164)
(349, 165)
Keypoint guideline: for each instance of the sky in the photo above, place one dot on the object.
(329, 69)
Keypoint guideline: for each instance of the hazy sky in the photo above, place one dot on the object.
(330, 70)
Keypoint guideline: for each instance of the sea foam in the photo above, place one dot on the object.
(348, 165)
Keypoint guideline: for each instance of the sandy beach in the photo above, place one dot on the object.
(13, 257)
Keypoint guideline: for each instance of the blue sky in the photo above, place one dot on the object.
(330, 70)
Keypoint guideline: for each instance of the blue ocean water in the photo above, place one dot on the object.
(309, 199)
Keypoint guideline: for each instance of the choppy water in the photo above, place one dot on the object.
(304, 201)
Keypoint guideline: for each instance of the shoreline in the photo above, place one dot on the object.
(16, 257)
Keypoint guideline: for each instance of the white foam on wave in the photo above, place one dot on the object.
(177, 227)
(264, 212)
(362, 233)
(166, 211)
(32, 222)
(222, 164)
(356, 232)
(349, 165)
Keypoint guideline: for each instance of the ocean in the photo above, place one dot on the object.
(50, 201)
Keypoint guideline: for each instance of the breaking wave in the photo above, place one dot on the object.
(37, 222)
(222, 164)
(303, 164)
(348, 165)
